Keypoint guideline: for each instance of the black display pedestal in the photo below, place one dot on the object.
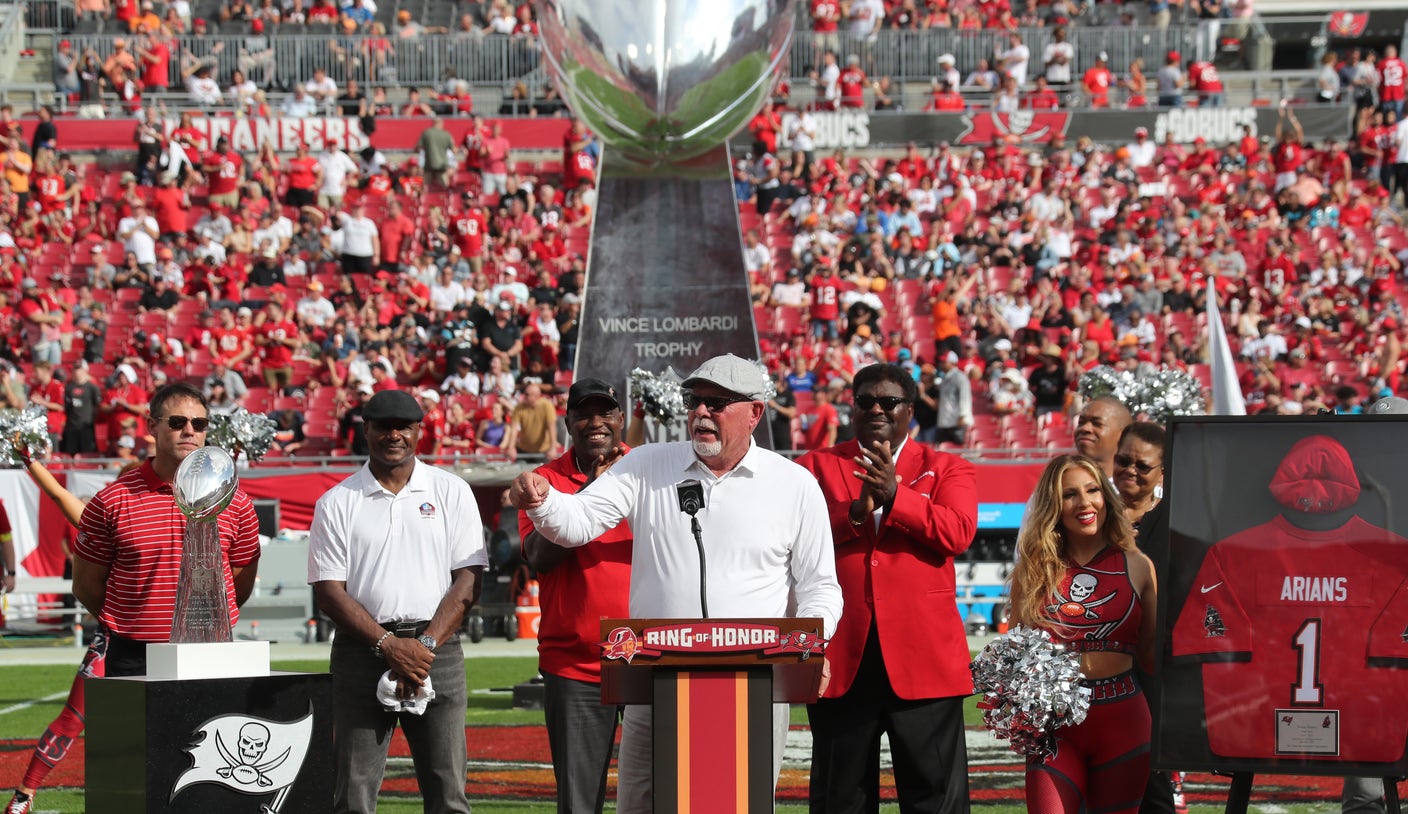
(255, 744)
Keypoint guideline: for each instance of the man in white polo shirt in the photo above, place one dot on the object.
(395, 558)
(765, 528)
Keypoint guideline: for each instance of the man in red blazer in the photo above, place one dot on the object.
(900, 513)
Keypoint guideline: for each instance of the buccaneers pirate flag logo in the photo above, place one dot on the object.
(248, 755)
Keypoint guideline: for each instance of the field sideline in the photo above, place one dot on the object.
(34, 693)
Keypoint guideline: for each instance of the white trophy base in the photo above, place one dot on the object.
(194, 660)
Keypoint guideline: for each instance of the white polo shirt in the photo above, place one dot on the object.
(395, 552)
(765, 526)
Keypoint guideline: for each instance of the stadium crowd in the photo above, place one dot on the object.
(299, 285)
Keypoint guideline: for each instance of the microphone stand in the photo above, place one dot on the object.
(703, 572)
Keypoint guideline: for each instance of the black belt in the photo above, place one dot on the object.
(406, 630)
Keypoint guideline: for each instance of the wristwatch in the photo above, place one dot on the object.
(428, 641)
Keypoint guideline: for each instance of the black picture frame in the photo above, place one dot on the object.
(1218, 471)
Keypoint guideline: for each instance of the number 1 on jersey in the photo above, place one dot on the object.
(1308, 691)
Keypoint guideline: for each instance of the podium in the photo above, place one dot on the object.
(711, 685)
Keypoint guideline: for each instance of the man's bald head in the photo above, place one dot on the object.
(1098, 428)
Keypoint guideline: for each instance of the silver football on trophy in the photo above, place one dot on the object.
(664, 81)
(205, 483)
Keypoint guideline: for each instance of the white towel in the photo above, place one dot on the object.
(386, 694)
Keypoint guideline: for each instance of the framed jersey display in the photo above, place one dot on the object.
(1283, 611)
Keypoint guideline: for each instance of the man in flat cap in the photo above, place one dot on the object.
(395, 558)
(764, 527)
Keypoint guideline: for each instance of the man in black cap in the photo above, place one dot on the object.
(395, 558)
(579, 587)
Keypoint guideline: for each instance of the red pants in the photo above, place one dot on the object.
(1102, 765)
(54, 744)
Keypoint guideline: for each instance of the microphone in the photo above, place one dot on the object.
(691, 498)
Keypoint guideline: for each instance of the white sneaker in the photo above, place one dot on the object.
(21, 803)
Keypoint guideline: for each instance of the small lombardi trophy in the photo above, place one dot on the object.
(664, 83)
(204, 486)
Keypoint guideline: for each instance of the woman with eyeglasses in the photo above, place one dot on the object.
(1079, 577)
(1139, 477)
(1139, 469)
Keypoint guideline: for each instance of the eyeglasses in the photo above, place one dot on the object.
(178, 422)
(1125, 461)
(887, 403)
(714, 404)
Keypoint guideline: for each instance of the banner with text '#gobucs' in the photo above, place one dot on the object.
(248, 755)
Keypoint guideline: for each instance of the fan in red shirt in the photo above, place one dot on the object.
(1097, 80)
(48, 190)
(826, 302)
(304, 176)
(946, 99)
(826, 16)
(853, 83)
(125, 400)
(433, 429)
(468, 231)
(395, 231)
(765, 126)
(170, 205)
(277, 338)
(1203, 80)
(224, 169)
(1042, 97)
(1391, 78)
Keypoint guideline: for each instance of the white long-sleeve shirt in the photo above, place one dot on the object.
(765, 529)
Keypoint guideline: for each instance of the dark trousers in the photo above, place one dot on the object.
(926, 746)
(125, 657)
(1158, 794)
(362, 731)
(581, 736)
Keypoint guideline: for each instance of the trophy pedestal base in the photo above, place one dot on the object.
(195, 660)
(229, 744)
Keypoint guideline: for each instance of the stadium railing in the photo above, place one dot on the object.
(905, 56)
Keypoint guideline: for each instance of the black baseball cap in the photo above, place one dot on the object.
(584, 389)
(393, 406)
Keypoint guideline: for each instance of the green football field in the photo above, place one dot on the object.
(30, 696)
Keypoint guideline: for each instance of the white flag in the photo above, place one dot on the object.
(1226, 389)
(247, 754)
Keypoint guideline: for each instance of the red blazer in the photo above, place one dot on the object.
(902, 575)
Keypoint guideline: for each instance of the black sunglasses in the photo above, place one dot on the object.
(887, 403)
(178, 422)
(1142, 468)
(715, 404)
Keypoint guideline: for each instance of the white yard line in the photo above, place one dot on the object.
(26, 705)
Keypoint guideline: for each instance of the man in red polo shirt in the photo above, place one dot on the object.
(1097, 81)
(128, 555)
(853, 83)
(580, 586)
(123, 401)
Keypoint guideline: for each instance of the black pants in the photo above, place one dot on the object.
(126, 657)
(926, 746)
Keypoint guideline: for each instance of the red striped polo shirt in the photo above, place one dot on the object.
(133, 528)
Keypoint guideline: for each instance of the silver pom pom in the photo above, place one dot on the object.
(1156, 396)
(23, 430)
(1030, 687)
(659, 396)
(242, 432)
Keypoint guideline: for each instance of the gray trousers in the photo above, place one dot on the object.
(1363, 795)
(635, 789)
(581, 735)
(362, 731)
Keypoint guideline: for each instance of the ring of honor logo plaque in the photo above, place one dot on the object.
(1278, 615)
(709, 638)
